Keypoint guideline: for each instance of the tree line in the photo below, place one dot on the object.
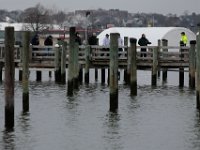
(40, 18)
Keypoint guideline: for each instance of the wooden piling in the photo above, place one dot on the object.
(159, 44)
(38, 75)
(154, 67)
(164, 73)
(25, 72)
(128, 65)
(181, 69)
(96, 74)
(133, 67)
(198, 69)
(71, 61)
(58, 49)
(126, 50)
(63, 62)
(76, 66)
(20, 74)
(87, 63)
(103, 75)
(80, 74)
(1, 71)
(9, 77)
(113, 69)
(192, 62)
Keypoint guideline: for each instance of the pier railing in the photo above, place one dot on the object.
(99, 55)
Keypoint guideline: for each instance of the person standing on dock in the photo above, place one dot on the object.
(92, 40)
(106, 43)
(48, 42)
(143, 41)
(184, 39)
(35, 42)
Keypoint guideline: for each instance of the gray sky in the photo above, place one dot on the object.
(148, 6)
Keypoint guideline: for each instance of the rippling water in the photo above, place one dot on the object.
(161, 118)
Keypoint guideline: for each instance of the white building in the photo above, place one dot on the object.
(153, 34)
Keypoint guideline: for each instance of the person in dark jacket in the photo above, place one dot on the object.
(35, 42)
(48, 42)
(93, 39)
(78, 38)
(143, 41)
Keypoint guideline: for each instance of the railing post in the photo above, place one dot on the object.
(25, 72)
(133, 67)
(192, 62)
(198, 69)
(154, 67)
(113, 69)
(9, 77)
(164, 75)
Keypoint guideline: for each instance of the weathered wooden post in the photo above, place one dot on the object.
(20, 74)
(71, 61)
(58, 48)
(1, 72)
(76, 66)
(96, 74)
(80, 74)
(113, 69)
(133, 67)
(154, 67)
(128, 65)
(9, 77)
(103, 75)
(126, 51)
(198, 69)
(63, 62)
(87, 63)
(25, 72)
(192, 63)
(159, 44)
(164, 74)
(181, 68)
(38, 75)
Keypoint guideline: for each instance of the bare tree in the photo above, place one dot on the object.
(36, 18)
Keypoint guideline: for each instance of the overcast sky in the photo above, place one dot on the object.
(148, 6)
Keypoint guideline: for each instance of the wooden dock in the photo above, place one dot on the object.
(76, 58)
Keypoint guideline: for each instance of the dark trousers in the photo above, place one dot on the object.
(143, 50)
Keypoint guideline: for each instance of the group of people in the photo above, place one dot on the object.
(47, 42)
(93, 40)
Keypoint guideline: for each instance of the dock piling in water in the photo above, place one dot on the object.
(25, 72)
(9, 77)
(71, 62)
(154, 67)
(164, 72)
(133, 67)
(192, 62)
(198, 70)
(113, 69)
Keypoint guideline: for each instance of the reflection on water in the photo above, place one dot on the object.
(158, 118)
